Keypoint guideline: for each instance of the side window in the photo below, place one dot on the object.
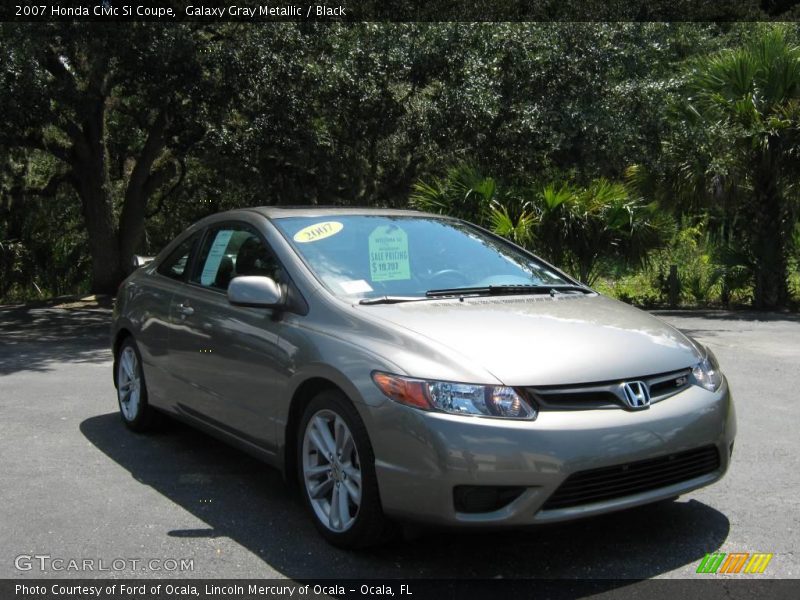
(174, 266)
(232, 250)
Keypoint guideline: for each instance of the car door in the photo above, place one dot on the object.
(153, 295)
(229, 358)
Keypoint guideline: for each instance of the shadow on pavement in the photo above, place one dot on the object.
(32, 338)
(248, 502)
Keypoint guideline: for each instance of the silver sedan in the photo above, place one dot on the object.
(406, 366)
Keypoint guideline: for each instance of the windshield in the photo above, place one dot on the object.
(367, 256)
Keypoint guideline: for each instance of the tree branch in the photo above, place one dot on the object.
(140, 185)
(176, 184)
(72, 130)
(54, 65)
(156, 179)
(150, 151)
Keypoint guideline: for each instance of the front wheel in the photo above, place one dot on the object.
(337, 471)
(131, 389)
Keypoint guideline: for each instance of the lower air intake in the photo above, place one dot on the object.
(608, 483)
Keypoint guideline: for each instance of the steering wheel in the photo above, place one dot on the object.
(449, 273)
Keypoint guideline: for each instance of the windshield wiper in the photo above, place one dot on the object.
(391, 299)
(491, 290)
(502, 290)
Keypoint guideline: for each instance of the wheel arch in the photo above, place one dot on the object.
(301, 398)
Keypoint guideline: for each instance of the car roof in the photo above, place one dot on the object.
(280, 212)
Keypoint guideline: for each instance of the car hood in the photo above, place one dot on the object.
(540, 340)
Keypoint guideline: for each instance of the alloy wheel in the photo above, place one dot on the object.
(129, 384)
(332, 470)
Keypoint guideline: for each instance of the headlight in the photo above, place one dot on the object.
(455, 398)
(706, 373)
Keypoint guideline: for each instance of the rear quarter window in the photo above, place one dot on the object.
(176, 264)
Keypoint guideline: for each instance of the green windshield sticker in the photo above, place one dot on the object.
(388, 254)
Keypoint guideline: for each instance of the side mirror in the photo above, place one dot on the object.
(256, 291)
(140, 261)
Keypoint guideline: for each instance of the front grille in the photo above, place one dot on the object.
(608, 483)
(606, 394)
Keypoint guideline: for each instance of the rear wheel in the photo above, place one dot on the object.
(131, 388)
(337, 473)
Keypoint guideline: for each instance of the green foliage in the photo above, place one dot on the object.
(709, 274)
(463, 193)
(634, 288)
(116, 109)
(518, 226)
(585, 227)
(372, 113)
(736, 147)
(38, 260)
(690, 249)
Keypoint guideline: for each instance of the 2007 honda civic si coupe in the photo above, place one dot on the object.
(401, 366)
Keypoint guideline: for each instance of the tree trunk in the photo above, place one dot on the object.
(131, 225)
(98, 214)
(90, 170)
(111, 248)
(769, 232)
(140, 186)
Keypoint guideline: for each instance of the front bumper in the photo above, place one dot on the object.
(420, 457)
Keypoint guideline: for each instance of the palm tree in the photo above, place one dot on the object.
(747, 102)
(583, 227)
(463, 193)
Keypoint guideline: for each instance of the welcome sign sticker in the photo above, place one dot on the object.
(388, 254)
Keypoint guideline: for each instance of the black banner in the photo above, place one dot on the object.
(260, 11)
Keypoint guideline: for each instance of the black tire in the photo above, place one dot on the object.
(370, 526)
(141, 417)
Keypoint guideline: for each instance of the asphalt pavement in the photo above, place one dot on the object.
(75, 484)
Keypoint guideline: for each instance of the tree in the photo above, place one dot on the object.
(587, 99)
(144, 128)
(337, 113)
(745, 105)
(118, 106)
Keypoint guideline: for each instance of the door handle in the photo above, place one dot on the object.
(185, 310)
